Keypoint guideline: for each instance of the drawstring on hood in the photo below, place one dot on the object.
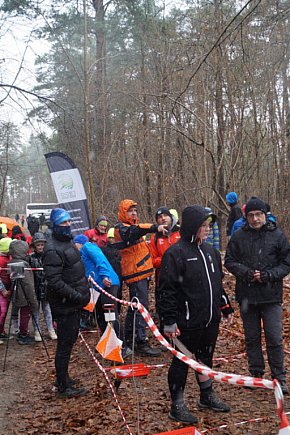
(192, 219)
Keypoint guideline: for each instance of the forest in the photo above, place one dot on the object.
(167, 103)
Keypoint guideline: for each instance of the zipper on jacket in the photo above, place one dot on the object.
(210, 286)
(187, 311)
(211, 263)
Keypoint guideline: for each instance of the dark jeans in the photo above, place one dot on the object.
(139, 290)
(100, 313)
(271, 316)
(200, 342)
(67, 334)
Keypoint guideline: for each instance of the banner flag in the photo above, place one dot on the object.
(69, 190)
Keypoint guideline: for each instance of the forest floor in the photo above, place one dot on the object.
(28, 404)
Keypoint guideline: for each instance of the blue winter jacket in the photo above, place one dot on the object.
(97, 265)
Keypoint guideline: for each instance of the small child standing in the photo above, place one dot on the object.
(40, 284)
(5, 285)
(23, 298)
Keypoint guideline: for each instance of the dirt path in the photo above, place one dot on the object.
(13, 379)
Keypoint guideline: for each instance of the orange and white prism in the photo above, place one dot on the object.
(110, 345)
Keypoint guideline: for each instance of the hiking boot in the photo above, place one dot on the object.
(52, 334)
(180, 412)
(72, 392)
(25, 339)
(126, 352)
(70, 382)
(144, 349)
(210, 401)
(37, 336)
(284, 388)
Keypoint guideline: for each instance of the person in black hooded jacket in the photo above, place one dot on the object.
(191, 300)
(258, 255)
(68, 292)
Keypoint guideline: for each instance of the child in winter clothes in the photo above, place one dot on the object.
(24, 294)
(40, 284)
(5, 285)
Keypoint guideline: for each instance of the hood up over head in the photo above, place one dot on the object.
(124, 206)
(18, 249)
(192, 218)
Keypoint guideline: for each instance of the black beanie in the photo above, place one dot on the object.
(255, 204)
(162, 210)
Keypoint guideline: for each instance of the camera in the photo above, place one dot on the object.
(16, 270)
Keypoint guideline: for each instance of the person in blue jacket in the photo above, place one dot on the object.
(97, 265)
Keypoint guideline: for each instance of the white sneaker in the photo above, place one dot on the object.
(37, 336)
(1, 342)
(52, 334)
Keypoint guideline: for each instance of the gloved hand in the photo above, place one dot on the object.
(264, 276)
(250, 275)
(171, 330)
(85, 299)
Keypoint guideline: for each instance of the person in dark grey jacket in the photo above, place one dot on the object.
(191, 300)
(258, 255)
(67, 293)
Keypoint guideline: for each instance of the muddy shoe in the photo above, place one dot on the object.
(72, 392)
(181, 413)
(208, 400)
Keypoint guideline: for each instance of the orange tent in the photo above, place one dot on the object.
(10, 223)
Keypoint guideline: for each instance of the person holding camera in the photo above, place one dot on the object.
(23, 297)
(68, 293)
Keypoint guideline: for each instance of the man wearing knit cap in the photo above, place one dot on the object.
(235, 212)
(159, 243)
(258, 254)
(68, 292)
(99, 234)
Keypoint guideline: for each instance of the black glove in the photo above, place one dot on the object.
(85, 299)
(250, 275)
(264, 276)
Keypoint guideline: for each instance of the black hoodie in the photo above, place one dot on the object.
(191, 288)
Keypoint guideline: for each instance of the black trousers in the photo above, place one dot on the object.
(67, 334)
(201, 343)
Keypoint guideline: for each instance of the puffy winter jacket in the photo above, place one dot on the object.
(191, 291)
(267, 250)
(65, 274)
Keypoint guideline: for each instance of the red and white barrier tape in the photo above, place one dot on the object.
(107, 379)
(228, 378)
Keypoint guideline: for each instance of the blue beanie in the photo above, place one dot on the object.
(58, 216)
(232, 198)
(81, 239)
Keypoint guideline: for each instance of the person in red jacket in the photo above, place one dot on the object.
(159, 244)
(99, 234)
(5, 285)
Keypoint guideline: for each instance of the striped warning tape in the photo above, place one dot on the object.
(107, 379)
(229, 378)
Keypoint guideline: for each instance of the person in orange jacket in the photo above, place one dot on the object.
(137, 267)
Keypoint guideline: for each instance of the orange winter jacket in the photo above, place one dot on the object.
(159, 245)
(136, 259)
